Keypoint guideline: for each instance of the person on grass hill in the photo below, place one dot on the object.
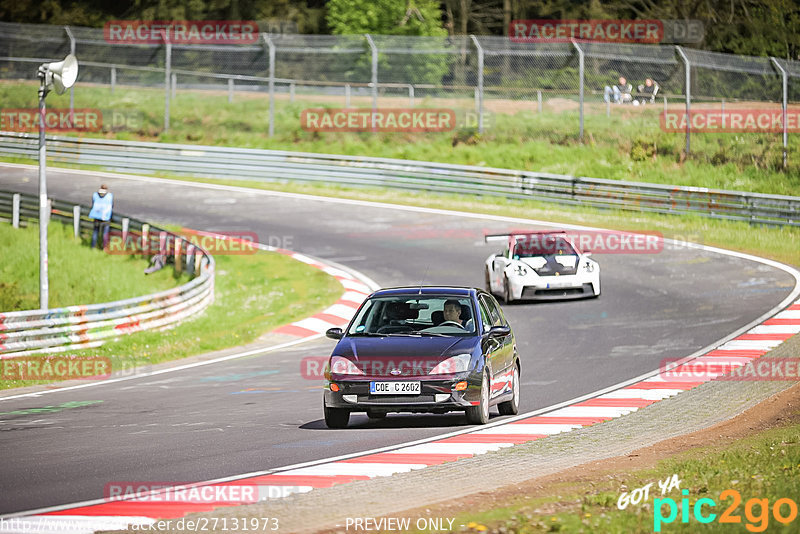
(102, 209)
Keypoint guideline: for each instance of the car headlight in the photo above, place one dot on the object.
(343, 366)
(454, 364)
(589, 266)
(520, 270)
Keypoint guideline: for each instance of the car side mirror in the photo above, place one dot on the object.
(334, 333)
(499, 331)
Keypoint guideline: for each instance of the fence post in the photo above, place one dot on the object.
(145, 240)
(347, 95)
(177, 251)
(190, 260)
(410, 95)
(230, 90)
(688, 97)
(291, 92)
(479, 88)
(580, 85)
(15, 210)
(167, 72)
(76, 221)
(126, 223)
(71, 89)
(113, 77)
(783, 106)
(539, 100)
(174, 85)
(374, 50)
(271, 54)
(723, 113)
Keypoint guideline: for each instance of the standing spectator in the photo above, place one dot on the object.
(102, 208)
(620, 92)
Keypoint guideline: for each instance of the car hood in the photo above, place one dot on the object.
(408, 356)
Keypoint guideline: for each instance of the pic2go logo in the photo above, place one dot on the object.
(756, 511)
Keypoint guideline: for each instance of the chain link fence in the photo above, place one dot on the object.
(484, 75)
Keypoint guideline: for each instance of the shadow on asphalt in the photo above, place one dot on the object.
(456, 421)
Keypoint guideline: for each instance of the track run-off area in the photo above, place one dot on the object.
(263, 411)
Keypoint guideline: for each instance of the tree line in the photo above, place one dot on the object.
(748, 27)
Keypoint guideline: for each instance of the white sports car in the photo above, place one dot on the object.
(544, 265)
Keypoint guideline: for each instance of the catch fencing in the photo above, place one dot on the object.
(68, 328)
(271, 165)
(485, 74)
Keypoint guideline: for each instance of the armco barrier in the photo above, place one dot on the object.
(271, 165)
(61, 329)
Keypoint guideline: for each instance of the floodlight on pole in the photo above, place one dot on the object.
(58, 76)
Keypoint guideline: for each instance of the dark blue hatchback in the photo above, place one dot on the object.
(423, 349)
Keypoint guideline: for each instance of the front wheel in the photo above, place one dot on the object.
(511, 407)
(479, 415)
(336, 417)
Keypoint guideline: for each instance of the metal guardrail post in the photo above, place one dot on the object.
(374, 83)
(76, 221)
(580, 85)
(688, 97)
(479, 88)
(167, 73)
(230, 90)
(784, 106)
(15, 210)
(271, 56)
(71, 89)
(146, 240)
(126, 222)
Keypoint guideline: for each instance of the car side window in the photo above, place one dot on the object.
(487, 322)
(495, 319)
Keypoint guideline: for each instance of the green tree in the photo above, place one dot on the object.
(391, 17)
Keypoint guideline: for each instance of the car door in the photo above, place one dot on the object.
(506, 349)
(495, 348)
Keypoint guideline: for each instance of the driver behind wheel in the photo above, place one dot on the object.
(452, 312)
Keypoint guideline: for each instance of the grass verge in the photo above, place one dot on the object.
(628, 145)
(77, 273)
(253, 295)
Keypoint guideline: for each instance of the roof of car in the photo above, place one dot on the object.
(456, 291)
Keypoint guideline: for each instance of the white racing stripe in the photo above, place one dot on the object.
(751, 344)
(453, 448)
(592, 411)
(340, 310)
(314, 323)
(646, 394)
(530, 428)
(788, 314)
(775, 329)
(348, 468)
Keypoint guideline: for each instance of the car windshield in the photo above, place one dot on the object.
(543, 245)
(415, 315)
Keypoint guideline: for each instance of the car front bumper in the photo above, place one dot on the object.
(436, 396)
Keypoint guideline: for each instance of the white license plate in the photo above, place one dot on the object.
(394, 388)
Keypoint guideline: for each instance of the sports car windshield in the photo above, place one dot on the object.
(543, 245)
(415, 315)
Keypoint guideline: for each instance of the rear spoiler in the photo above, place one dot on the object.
(488, 238)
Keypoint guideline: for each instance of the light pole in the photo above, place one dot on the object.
(60, 76)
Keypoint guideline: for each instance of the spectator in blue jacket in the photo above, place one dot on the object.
(102, 208)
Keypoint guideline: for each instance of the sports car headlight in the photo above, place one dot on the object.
(589, 266)
(454, 364)
(343, 366)
(520, 270)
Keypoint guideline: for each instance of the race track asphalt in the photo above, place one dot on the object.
(259, 412)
